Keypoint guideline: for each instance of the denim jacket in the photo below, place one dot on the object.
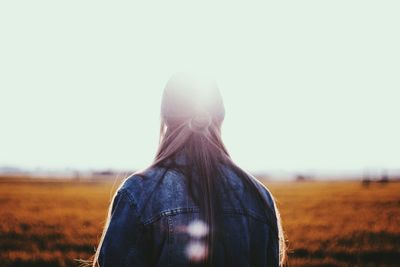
(150, 217)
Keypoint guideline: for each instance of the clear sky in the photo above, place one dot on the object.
(306, 84)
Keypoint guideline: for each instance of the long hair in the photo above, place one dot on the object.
(198, 140)
(204, 151)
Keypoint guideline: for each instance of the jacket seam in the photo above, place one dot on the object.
(176, 211)
(170, 240)
(170, 212)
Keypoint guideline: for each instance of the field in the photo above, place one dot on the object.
(51, 223)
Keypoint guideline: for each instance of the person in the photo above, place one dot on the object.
(193, 206)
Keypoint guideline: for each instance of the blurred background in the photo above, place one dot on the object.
(311, 93)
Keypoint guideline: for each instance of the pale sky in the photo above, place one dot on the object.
(307, 85)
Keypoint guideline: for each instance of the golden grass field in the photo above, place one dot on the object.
(51, 223)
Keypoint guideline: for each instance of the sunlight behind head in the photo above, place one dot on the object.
(189, 95)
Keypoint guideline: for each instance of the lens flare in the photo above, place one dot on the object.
(196, 251)
(197, 229)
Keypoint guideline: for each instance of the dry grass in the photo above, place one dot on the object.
(341, 223)
(45, 223)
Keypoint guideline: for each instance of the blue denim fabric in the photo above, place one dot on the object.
(150, 215)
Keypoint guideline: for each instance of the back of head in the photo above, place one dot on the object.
(189, 97)
(192, 112)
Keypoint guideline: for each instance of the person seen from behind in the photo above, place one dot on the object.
(193, 206)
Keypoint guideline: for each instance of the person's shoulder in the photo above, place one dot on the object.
(266, 193)
(138, 181)
(142, 184)
(232, 173)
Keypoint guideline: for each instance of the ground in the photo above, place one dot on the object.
(54, 222)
